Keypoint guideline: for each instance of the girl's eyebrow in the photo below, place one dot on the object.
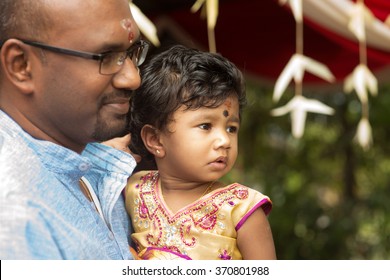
(235, 119)
(212, 116)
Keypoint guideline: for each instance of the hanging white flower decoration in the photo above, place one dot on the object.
(360, 16)
(361, 80)
(145, 25)
(295, 69)
(299, 106)
(296, 7)
(364, 134)
(210, 9)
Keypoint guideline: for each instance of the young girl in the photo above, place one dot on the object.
(185, 118)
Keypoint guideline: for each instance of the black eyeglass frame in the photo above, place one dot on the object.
(141, 44)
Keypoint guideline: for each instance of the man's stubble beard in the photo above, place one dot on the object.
(105, 131)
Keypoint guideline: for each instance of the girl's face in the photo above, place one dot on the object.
(201, 145)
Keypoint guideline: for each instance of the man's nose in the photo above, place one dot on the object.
(128, 77)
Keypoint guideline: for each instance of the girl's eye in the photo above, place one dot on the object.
(205, 126)
(232, 129)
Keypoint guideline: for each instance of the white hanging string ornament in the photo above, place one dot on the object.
(361, 80)
(295, 69)
(210, 11)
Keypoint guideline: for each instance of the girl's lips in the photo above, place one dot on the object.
(219, 164)
(222, 160)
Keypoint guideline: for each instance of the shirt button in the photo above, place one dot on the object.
(83, 166)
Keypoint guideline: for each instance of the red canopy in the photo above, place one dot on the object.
(259, 37)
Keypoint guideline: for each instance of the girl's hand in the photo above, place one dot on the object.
(122, 143)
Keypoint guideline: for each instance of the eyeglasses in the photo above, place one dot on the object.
(110, 62)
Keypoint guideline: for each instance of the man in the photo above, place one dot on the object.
(67, 70)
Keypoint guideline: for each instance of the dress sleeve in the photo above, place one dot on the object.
(131, 188)
(249, 201)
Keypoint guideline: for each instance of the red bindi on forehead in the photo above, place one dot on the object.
(127, 24)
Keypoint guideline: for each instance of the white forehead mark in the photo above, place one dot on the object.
(127, 25)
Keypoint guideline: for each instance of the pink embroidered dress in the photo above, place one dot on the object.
(204, 230)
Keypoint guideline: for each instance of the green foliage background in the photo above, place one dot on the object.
(330, 197)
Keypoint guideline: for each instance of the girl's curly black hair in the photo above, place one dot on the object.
(176, 77)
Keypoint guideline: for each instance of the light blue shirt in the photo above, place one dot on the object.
(43, 213)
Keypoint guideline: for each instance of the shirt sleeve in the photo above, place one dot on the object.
(24, 232)
(109, 166)
(108, 159)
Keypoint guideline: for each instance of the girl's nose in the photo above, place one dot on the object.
(223, 140)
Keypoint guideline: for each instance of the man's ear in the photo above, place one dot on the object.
(151, 138)
(16, 64)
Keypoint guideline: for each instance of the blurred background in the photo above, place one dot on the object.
(330, 185)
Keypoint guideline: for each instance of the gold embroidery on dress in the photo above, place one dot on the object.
(173, 232)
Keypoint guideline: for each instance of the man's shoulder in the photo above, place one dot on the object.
(18, 163)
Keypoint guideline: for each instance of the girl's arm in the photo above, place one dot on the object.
(254, 238)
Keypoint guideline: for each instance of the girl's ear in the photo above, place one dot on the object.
(150, 137)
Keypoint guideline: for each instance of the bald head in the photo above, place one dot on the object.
(23, 18)
(47, 91)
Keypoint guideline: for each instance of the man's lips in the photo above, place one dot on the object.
(119, 105)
